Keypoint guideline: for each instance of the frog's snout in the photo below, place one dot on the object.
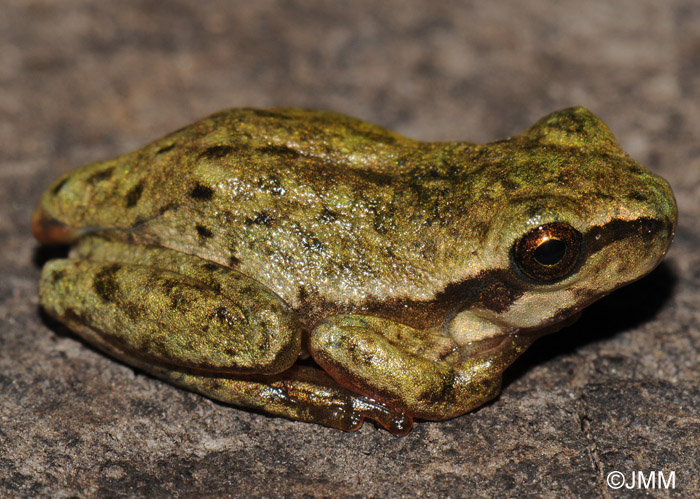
(666, 215)
(657, 218)
(662, 229)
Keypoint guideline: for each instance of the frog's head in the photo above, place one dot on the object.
(577, 219)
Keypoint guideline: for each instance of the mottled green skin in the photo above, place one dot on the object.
(388, 259)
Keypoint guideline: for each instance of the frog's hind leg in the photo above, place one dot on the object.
(201, 326)
(301, 393)
(421, 372)
(168, 307)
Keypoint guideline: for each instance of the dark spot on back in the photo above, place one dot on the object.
(508, 184)
(203, 231)
(134, 194)
(217, 152)
(165, 148)
(279, 150)
(328, 215)
(201, 192)
(211, 266)
(59, 186)
(105, 174)
(175, 297)
(263, 113)
(433, 172)
(233, 261)
(261, 218)
(637, 196)
(271, 184)
(169, 285)
(313, 244)
(105, 284)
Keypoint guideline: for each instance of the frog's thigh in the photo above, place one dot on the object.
(203, 322)
(416, 371)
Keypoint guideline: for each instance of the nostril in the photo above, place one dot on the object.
(647, 226)
(661, 227)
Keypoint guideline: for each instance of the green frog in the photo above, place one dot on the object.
(314, 266)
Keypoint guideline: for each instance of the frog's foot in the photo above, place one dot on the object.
(301, 393)
(420, 372)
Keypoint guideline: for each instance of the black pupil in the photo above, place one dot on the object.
(550, 252)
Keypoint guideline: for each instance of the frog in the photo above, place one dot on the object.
(310, 265)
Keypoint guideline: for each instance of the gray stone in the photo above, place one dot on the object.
(617, 391)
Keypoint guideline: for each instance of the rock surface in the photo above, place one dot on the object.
(618, 391)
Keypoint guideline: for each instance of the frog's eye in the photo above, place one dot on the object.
(548, 253)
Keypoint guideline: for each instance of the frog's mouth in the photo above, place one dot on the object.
(537, 332)
(498, 342)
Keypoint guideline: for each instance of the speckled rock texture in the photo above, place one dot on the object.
(85, 80)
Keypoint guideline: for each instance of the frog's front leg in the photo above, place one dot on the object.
(422, 372)
(200, 326)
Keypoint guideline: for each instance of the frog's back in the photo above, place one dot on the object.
(134, 187)
(307, 202)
